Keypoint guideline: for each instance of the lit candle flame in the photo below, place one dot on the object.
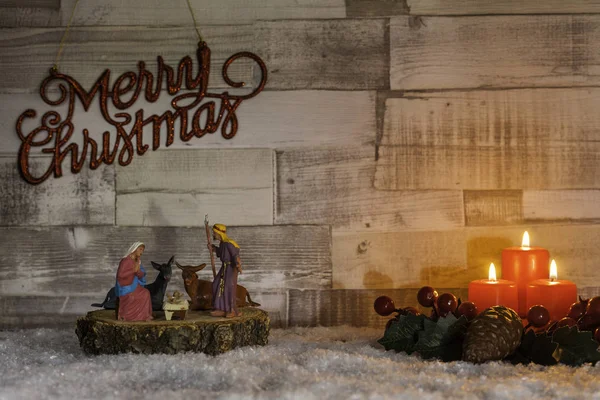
(492, 273)
(553, 271)
(525, 242)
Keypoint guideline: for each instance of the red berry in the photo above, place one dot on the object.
(593, 307)
(538, 316)
(427, 296)
(597, 335)
(411, 310)
(588, 322)
(468, 309)
(577, 310)
(446, 303)
(387, 325)
(552, 327)
(384, 306)
(566, 321)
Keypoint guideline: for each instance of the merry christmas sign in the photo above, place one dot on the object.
(195, 111)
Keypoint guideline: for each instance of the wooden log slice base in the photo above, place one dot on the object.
(100, 333)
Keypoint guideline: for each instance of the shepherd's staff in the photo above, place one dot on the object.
(212, 255)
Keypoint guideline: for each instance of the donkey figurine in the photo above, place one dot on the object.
(157, 289)
(200, 291)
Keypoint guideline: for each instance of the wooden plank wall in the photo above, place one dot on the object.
(396, 144)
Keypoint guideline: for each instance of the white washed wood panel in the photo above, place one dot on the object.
(455, 258)
(57, 311)
(512, 139)
(589, 292)
(488, 168)
(375, 8)
(500, 118)
(84, 260)
(470, 7)
(30, 3)
(80, 199)
(340, 54)
(335, 187)
(147, 208)
(574, 205)
(207, 12)
(350, 307)
(493, 207)
(193, 170)
(398, 259)
(29, 16)
(276, 304)
(245, 206)
(270, 120)
(88, 51)
(499, 51)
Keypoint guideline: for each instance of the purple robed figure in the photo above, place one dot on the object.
(224, 285)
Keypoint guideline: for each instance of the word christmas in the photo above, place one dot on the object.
(195, 119)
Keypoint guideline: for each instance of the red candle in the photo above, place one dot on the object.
(557, 296)
(523, 265)
(490, 292)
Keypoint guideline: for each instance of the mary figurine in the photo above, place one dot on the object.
(134, 303)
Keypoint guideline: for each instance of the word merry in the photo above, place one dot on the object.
(194, 117)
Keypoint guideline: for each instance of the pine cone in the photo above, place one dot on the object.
(492, 335)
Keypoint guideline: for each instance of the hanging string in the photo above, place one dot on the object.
(195, 23)
(64, 37)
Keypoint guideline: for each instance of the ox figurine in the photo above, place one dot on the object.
(200, 291)
(157, 289)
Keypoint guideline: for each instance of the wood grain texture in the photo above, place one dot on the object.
(270, 120)
(485, 168)
(398, 259)
(348, 54)
(177, 187)
(469, 7)
(24, 312)
(589, 292)
(349, 307)
(499, 51)
(275, 303)
(334, 187)
(141, 12)
(494, 118)
(84, 260)
(454, 258)
(35, 13)
(80, 199)
(30, 3)
(565, 205)
(493, 207)
(90, 50)
(490, 140)
(376, 8)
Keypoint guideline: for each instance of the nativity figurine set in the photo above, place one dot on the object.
(134, 300)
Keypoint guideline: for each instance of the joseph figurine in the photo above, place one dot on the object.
(225, 283)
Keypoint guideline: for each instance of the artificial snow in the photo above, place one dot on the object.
(298, 363)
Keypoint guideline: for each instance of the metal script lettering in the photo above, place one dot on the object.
(54, 132)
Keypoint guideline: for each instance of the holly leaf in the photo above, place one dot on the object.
(442, 339)
(575, 347)
(537, 348)
(401, 334)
